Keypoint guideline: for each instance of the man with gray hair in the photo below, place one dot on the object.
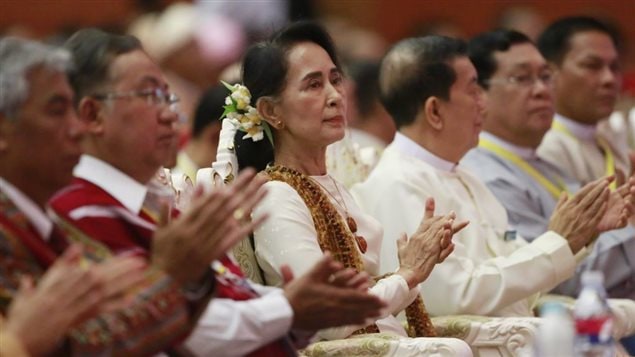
(39, 146)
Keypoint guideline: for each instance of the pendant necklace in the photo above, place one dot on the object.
(350, 221)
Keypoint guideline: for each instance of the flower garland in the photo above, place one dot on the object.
(245, 117)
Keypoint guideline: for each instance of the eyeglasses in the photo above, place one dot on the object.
(156, 97)
(526, 80)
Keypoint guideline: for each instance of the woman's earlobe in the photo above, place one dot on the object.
(267, 111)
(279, 124)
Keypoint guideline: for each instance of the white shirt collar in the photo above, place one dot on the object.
(410, 147)
(40, 221)
(579, 130)
(524, 152)
(122, 187)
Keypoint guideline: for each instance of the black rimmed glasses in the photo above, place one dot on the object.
(155, 97)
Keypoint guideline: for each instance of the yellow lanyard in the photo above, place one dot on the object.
(553, 189)
(609, 159)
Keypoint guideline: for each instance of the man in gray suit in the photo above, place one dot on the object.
(519, 110)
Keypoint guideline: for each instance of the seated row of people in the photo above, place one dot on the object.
(433, 91)
(124, 129)
(103, 97)
(431, 88)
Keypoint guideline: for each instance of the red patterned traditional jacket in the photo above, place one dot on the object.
(157, 318)
(98, 214)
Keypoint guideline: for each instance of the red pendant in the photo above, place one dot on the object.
(361, 243)
(352, 225)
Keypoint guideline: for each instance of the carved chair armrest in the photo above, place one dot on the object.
(490, 336)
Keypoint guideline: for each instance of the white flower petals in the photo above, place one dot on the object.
(246, 117)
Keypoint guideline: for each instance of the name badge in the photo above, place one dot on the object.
(509, 235)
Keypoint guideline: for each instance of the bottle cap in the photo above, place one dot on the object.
(592, 277)
(552, 308)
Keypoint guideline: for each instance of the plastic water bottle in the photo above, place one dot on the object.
(556, 332)
(593, 319)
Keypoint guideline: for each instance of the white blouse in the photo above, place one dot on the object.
(289, 237)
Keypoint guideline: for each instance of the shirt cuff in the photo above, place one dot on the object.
(278, 305)
(400, 281)
(562, 258)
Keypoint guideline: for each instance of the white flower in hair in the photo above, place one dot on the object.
(253, 116)
(247, 125)
(241, 97)
(255, 135)
(239, 111)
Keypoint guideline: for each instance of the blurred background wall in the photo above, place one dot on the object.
(392, 19)
(363, 29)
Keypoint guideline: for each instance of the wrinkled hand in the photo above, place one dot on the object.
(329, 296)
(67, 295)
(577, 218)
(428, 246)
(186, 246)
(620, 207)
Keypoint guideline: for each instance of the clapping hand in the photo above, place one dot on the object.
(69, 293)
(216, 221)
(329, 295)
(429, 245)
(577, 218)
(620, 205)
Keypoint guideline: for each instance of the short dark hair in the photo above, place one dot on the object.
(264, 73)
(93, 51)
(209, 109)
(554, 42)
(481, 50)
(365, 74)
(414, 70)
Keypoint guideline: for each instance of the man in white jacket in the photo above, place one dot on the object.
(430, 88)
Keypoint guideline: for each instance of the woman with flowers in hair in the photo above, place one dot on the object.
(293, 95)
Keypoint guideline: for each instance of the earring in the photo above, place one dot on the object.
(279, 124)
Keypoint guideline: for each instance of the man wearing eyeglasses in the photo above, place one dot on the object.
(125, 102)
(430, 88)
(40, 138)
(518, 92)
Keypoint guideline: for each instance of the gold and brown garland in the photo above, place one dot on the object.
(334, 236)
